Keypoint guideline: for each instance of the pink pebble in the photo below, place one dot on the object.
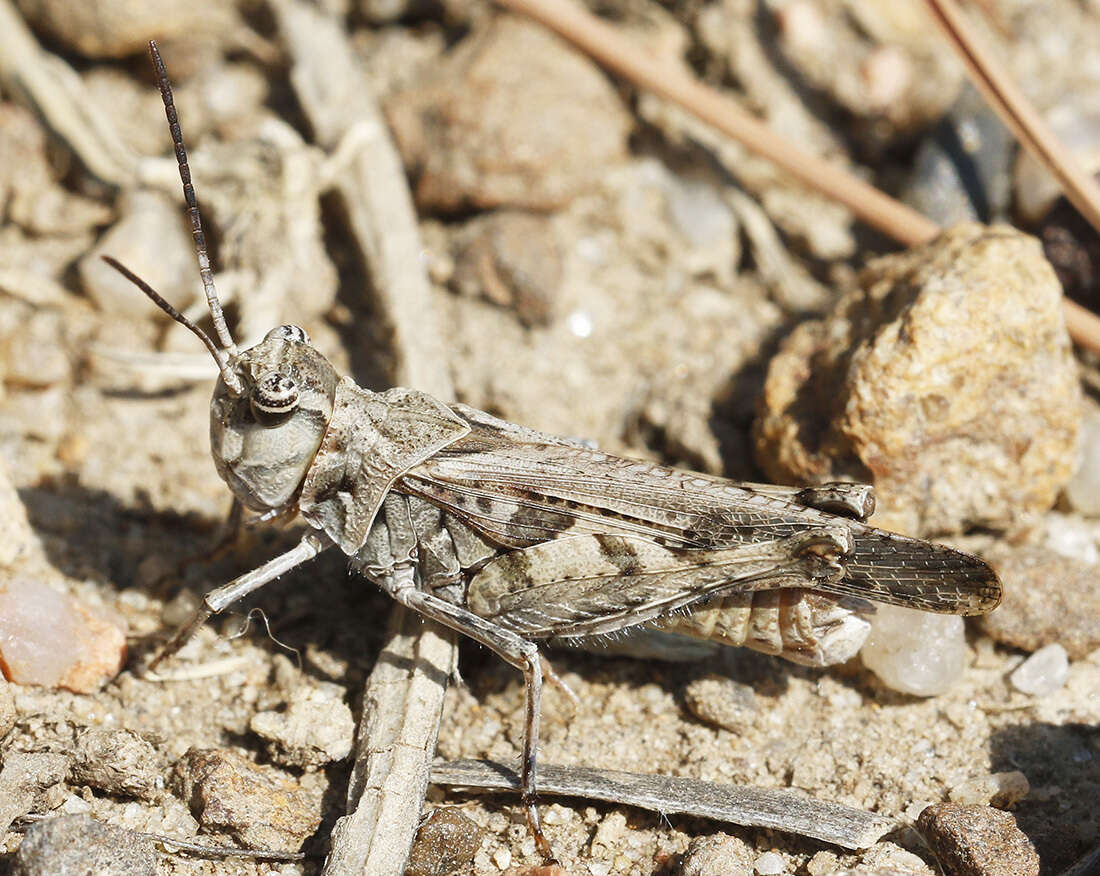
(50, 638)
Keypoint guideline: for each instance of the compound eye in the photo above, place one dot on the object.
(288, 333)
(274, 393)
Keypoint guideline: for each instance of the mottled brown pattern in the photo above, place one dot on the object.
(519, 488)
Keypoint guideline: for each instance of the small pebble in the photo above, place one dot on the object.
(513, 117)
(152, 241)
(77, 845)
(699, 213)
(1000, 790)
(961, 170)
(7, 708)
(50, 638)
(74, 805)
(511, 258)
(888, 859)
(502, 857)
(1072, 246)
(30, 781)
(446, 840)
(977, 841)
(315, 729)
(18, 541)
(1083, 490)
(608, 836)
(721, 701)
(260, 806)
(915, 652)
(716, 855)
(769, 864)
(117, 762)
(33, 357)
(1043, 672)
(887, 74)
(822, 864)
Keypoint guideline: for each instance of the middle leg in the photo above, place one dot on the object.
(513, 649)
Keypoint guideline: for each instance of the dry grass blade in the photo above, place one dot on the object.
(1021, 117)
(1016, 111)
(614, 51)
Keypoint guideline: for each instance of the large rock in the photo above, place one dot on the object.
(112, 29)
(945, 378)
(513, 117)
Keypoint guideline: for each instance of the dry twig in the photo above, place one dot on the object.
(1015, 110)
(403, 698)
(736, 804)
(675, 83)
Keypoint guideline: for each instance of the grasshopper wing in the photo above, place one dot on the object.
(519, 488)
(588, 585)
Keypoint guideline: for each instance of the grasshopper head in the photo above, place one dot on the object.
(265, 431)
(272, 402)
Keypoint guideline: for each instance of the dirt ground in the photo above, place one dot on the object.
(608, 288)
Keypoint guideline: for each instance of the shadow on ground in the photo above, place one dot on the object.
(1062, 763)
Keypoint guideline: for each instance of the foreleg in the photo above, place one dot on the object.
(310, 546)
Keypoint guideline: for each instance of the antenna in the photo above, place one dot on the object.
(231, 380)
(193, 209)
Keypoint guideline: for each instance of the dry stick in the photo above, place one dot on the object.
(745, 805)
(616, 52)
(338, 100)
(403, 698)
(1021, 117)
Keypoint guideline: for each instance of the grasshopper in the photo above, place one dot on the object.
(515, 538)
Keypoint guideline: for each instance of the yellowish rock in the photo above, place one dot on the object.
(945, 378)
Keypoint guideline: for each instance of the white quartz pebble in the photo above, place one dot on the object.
(1043, 672)
(915, 652)
(769, 864)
